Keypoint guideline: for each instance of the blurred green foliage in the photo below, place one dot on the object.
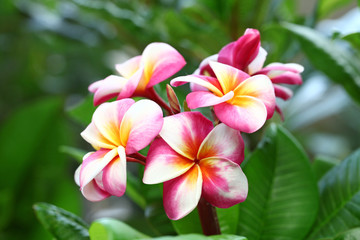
(50, 51)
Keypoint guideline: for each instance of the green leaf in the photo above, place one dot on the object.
(352, 234)
(83, 111)
(339, 199)
(322, 165)
(189, 224)
(76, 153)
(353, 39)
(132, 191)
(107, 228)
(283, 199)
(337, 63)
(228, 219)
(326, 7)
(62, 224)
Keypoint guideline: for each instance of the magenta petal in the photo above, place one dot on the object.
(161, 61)
(114, 175)
(224, 183)
(140, 125)
(287, 78)
(93, 192)
(184, 132)
(282, 92)
(163, 163)
(182, 194)
(205, 69)
(245, 119)
(204, 99)
(223, 142)
(132, 84)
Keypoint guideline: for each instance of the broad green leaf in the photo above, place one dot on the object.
(323, 164)
(62, 224)
(83, 111)
(337, 63)
(111, 229)
(76, 153)
(228, 219)
(326, 7)
(283, 199)
(339, 199)
(352, 234)
(201, 237)
(353, 39)
(189, 224)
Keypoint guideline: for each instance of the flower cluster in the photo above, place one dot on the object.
(191, 155)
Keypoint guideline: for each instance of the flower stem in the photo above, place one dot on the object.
(130, 159)
(156, 98)
(208, 218)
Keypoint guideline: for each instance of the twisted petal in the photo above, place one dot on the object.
(163, 163)
(283, 73)
(128, 68)
(114, 174)
(258, 62)
(93, 192)
(182, 194)
(140, 125)
(223, 142)
(224, 183)
(94, 164)
(133, 84)
(205, 69)
(259, 87)
(242, 52)
(210, 83)
(247, 117)
(282, 92)
(204, 99)
(228, 77)
(184, 132)
(160, 61)
(107, 119)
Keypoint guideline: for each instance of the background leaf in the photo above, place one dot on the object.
(321, 165)
(353, 39)
(62, 224)
(107, 228)
(228, 219)
(337, 63)
(282, 201)
(339, 199)
(188, 224)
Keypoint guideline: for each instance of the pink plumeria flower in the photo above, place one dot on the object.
(139, 74)
(194, 159)
(247, 55)
(117, 129)
(240, 101)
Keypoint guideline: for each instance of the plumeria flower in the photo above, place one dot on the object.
(247, 55)
(139, 74)
(240, 101)
(195, 160)
(117, 129)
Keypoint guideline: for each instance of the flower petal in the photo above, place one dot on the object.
(228, 77)
(134, 86)
(223, 142)
(107, 88)
(184, 132)
(163, 163)
(207, 82)
(140, 125)
(128, 68)
(282, 92)
(182, 194)
(161, 61)
(260, 87)
(258, 62)
(205, 69)
(247, 117)
(114, 174)
(204, 99)
(288, 73)
(92, 135)
(93, 192)
(94, 164)
(224, 183)
(107, 118)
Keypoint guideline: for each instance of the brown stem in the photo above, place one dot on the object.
(208, 218)
(156, 98)
(139, 156)
(130, 159)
